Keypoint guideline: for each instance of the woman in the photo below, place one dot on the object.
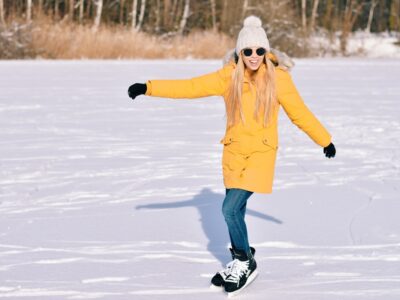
(253, 89)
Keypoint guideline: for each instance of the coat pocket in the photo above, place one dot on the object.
(227, 140)
(268, 141)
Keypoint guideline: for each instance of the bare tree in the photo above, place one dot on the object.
(314, 14)
(374, 3)
(2, 20)
(245, 8)
(224, 15)
(158, 16)
(88, 9)
(167, 13)
(71, 10)
(97, 19)
(185, 16)
(394, 19)
(174, 15)
(134, 13)
(28, 10)
(121, 11)
(81, 7)
(40, 7)
(351, 14)
(303, 14)
(327, 20)
(56, 9)
(141, 15)
(213, 15)
(137, 26)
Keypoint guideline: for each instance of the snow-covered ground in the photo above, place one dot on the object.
(374, 45)
(360, 44)
(102, 197)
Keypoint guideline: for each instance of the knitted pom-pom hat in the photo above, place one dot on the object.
(252, 35)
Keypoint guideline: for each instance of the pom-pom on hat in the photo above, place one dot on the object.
(252, 35)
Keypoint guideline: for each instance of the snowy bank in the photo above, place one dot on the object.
(360, 44)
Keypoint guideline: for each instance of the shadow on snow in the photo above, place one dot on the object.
(209, 205)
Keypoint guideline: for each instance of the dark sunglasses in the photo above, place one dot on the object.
(249, 52)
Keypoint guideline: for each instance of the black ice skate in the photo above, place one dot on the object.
(243, 271)
(218, 281)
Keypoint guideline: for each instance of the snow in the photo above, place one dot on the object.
(360, 44)
(375, 45)
(102, 197)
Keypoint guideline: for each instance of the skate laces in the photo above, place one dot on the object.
(238, 269)
(227, 269)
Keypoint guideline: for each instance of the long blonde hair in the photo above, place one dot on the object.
(265, 93)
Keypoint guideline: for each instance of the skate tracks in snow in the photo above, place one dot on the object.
(102, 197)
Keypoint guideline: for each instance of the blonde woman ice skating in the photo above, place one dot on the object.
(254, 87)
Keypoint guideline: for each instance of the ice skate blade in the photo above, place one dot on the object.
(216, 287)
(249, 280)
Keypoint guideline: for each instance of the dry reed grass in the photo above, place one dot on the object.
(65, 40)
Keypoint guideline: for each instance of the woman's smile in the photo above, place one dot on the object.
(254, 61)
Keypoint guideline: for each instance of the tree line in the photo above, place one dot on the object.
(289, 23)
(181, 16)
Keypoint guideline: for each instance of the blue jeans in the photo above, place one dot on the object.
(234, 210)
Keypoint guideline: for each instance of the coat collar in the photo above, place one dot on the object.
(247, 73)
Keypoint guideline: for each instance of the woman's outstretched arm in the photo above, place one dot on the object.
(213, 84)
(298, 112)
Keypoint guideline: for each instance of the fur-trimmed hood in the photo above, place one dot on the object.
(280, 59)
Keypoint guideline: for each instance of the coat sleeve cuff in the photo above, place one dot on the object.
(149, 88)
(327, 143)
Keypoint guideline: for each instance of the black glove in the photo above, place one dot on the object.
(137, 89)
(330, 150)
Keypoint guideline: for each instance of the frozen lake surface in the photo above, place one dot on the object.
(102, 197)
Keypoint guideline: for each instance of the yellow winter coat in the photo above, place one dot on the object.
(249, 154)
